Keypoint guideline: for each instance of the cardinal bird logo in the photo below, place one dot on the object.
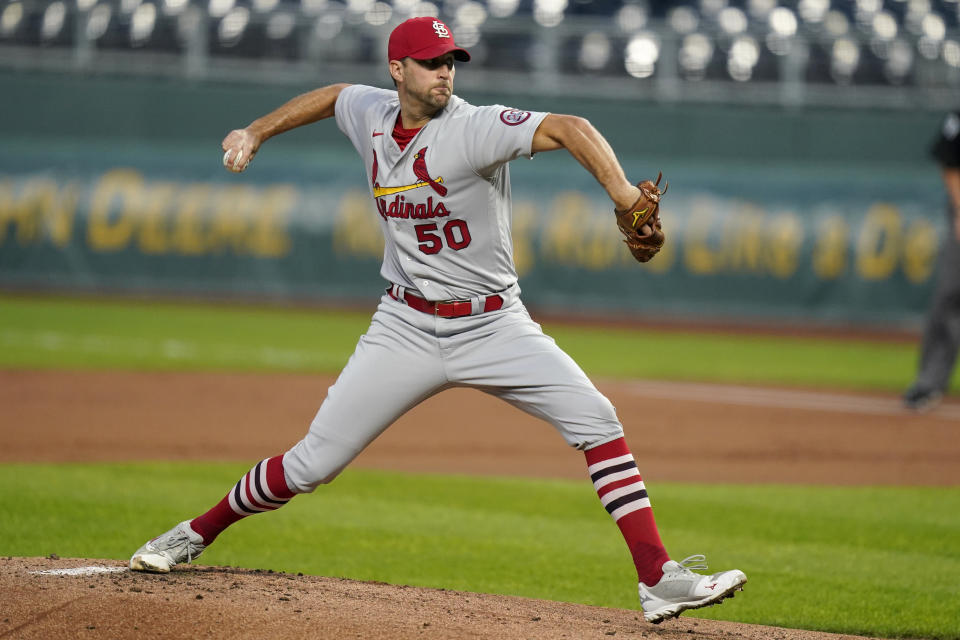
(420, 170)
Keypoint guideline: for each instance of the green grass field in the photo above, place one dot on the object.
(872, 561)
(71, 333)
(880, 561)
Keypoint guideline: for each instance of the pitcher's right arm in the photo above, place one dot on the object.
(241, 145)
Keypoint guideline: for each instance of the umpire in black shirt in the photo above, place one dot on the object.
(941, 337)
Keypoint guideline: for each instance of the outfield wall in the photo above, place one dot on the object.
(821, 216)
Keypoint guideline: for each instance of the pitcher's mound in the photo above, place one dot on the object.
(81, 598)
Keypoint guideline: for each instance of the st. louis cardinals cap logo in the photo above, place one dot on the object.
(441, 29)
(513, 117)
(423, 38)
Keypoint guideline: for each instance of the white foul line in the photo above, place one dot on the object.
(78, 571)
(779, 398)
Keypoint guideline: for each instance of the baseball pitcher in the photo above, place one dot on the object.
(438, 172)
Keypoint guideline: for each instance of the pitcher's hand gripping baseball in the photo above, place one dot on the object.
(239, 147)
(640, 224)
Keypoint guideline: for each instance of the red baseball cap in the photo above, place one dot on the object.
(423, 38)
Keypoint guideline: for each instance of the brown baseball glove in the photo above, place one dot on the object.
(640, 224)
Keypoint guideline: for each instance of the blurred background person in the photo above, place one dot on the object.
(941, 337)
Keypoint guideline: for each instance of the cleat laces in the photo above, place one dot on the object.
(176, 547)
(696, 561)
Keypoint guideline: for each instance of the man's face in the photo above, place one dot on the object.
(429, 82)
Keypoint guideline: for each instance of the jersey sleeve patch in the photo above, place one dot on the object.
(513, 117)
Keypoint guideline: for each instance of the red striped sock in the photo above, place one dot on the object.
(618, 483)
(263, 488)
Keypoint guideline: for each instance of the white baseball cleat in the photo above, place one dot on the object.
(180, 544)
(680, 589)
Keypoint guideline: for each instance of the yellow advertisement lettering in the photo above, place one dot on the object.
(230, 219)
(111, 221)
(7, 209)
(744, 239)
(524, 226)
(154, 233)
(878, 246)
(784, 238)
(565, 220)
(187, 236)
(831, 248)
(42, 212)
(269, 236)
(16, 213)
(50, 210)
(598, 248)
(920, 251)
(60, 215)
(699, 257)
(357, 231)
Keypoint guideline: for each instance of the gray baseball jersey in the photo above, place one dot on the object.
(444, 201)
(445, 211)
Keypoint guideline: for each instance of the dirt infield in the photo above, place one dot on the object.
(699, 433)
(205, 602)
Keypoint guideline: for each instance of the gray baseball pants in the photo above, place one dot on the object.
(407, 356)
